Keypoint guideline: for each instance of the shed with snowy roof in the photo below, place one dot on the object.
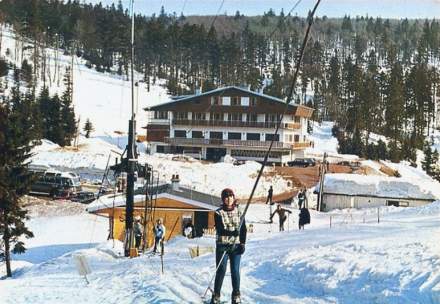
(362, 191)
(175, 205)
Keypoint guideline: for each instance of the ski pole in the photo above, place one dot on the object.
(212, 278)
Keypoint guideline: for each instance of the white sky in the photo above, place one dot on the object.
(330, 8)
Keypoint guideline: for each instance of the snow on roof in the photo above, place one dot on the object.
(185, 98)
(382, 186)
(193, 198)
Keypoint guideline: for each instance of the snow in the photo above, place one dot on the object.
(384, 186)
(356, 261)
(325, 142)
(101, 97)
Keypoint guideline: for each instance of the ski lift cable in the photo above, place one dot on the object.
(266, 156)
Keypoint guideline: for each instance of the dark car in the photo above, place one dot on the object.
(84, 197)
(56, 184)
(302, 162)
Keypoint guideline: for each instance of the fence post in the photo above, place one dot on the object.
(330, 221)
(378, 219)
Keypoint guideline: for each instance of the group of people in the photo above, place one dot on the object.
(231, 234)
(158, 231)
(304, 214)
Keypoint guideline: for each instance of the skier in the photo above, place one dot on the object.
(269, 196)
(159, 234)
(281, 215)
(137, 229)
(230, 244)
(304, 218)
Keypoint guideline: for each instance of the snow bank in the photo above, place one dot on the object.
(354, 184)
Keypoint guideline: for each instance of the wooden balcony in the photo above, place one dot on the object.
(224, 123)
(292, 125)
(225, 142)
(302, 145)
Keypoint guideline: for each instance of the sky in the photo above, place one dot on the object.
(331, 8)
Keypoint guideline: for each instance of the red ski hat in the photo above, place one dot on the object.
(227, 193)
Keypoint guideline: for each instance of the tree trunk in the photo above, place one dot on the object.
(7, 248)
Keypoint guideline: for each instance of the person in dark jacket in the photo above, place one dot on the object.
(230, 244)
(269, 196)
(281, 215)
(301, 198)
(304, 218)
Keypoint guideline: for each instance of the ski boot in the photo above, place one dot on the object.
(236, 299)
(215, 299)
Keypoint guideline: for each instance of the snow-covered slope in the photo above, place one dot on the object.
(356, 261)
(102, 97)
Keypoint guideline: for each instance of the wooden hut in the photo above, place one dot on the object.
(176, 206)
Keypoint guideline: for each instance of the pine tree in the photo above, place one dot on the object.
(88, 128)
(427, 161)
(15, 179)
(68, 121)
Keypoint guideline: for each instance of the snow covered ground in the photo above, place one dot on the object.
(101, 97)
(356, 261)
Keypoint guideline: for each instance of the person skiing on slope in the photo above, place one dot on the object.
(281, 215)
(230, 244)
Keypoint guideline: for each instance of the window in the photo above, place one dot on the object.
(215, 100)
(235, 101)
(253, 101)
(272, 118)
(252, 117)
(181, 115)
(198, 116)
(197, 134)
(160, 115)
(253, 136)
(180, 133)
(296, 138)
(234, 116)
(245, 101)
(216, 116)
(269, 137)
(216, 135)
(234, 135)
(226, 100)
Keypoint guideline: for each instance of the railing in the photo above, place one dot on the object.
(225, 142)
(224, 123)
(156, 121)
(292, 125)
(302, 145)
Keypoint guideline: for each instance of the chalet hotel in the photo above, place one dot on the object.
(230, 120)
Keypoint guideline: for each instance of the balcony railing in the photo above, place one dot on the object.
(225, 142)
(224, 123)
(302, 145)
(292, 125)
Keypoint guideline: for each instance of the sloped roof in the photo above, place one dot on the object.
(190, 97)
(376, 186)
(185, 195)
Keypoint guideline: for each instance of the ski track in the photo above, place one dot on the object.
(396, 261)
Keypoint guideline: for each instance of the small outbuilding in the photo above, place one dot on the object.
(362, 191)
(175, 206)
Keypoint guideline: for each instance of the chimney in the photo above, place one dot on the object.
(175, 181)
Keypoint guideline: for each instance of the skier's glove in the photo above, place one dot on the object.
(240, 248)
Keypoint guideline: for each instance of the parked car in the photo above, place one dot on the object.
(302, 162)
(56, 184)
(84, 197)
